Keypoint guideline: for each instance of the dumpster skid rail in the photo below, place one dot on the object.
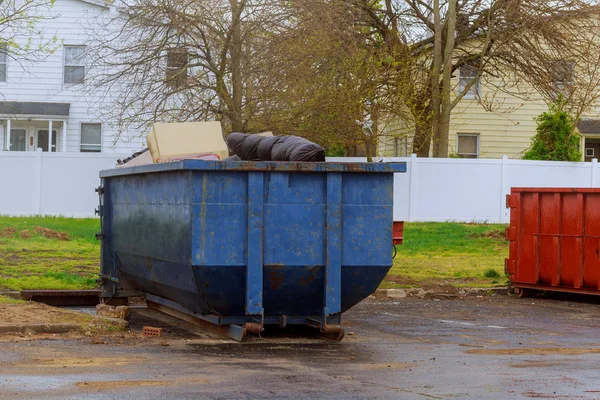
(241, 245)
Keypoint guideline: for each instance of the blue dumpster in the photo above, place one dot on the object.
(247, 244)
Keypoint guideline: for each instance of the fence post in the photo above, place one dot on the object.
(504, 190)
(37, 183)
(413, 183)
(594, 172)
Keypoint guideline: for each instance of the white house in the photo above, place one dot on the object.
(47, 104)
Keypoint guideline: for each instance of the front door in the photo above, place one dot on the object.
(42, 139)
(18, 139)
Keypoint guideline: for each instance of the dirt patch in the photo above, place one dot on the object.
(495, 234)
(112, 385)
(402, 280)
(38, 313)
(537, 351)
(443, 288)
(25, 257)
(51, 234)
(8, 232)
(536, 364)
(25, 234)
(66, 362)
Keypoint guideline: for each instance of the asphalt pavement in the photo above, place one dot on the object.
(499, 347)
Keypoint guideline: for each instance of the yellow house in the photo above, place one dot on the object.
(491, 123)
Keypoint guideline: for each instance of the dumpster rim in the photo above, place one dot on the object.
(554, 190)
(265, 166)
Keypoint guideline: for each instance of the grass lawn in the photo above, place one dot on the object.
(463, 255)
(34, 253)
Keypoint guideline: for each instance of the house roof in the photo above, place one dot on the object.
(588, 125)
(16, 108)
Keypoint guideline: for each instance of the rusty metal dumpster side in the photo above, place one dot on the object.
(554, 239)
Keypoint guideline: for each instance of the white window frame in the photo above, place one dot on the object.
(474, 92)
(477, 135)
(72, 65)
(586, 152)
(4, 50)
(91, 144)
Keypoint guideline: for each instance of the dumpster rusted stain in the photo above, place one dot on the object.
(274, 275)
(307, 280)
(276, 279)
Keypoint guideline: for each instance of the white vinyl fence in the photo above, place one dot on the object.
(474, 190)
(466, 190)
(36, 183)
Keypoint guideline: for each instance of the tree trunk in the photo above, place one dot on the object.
(435, 77)
(422, 140)
(237, 124)
(443, 121)
(369, 149)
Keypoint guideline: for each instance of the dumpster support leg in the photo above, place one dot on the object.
(333, 262)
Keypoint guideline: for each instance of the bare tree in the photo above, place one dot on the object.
(337, 71)
(497, 38)
(21, 36)
(183, 60)
(332, 85)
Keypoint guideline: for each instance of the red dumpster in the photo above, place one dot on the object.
(554, 239)
(398, 232)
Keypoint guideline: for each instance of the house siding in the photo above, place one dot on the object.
(505, 130)
(73, 23)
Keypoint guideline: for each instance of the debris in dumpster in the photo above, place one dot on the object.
(201, 156)
(204, 141)
(274, 148)
(169, 141)
(141, 157)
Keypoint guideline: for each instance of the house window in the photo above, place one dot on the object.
(91, 138)
(400, 147)
(467, 145)
(589, 152)
(3, 62)
(177, 65)
(74, 64)
(466, 75)
(562, 75)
